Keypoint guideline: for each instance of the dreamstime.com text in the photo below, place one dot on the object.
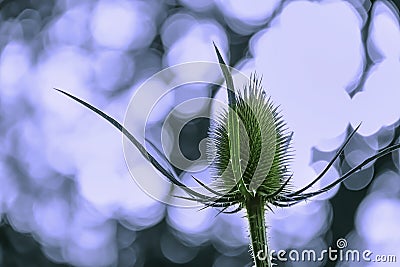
(348, 255)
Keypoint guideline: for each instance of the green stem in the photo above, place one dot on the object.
(256, 216)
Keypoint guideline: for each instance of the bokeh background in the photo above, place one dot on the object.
(66, 195)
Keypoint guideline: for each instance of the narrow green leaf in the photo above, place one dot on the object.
(233, 126)
(171, 176)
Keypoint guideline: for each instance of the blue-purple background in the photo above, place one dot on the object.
(66, 196)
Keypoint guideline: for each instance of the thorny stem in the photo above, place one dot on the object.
(256, 217)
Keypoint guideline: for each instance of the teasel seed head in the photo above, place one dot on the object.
(264, 140)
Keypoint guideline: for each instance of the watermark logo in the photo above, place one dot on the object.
(341, 243)
(330, 254)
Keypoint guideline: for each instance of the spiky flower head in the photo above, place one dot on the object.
(264, 146)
